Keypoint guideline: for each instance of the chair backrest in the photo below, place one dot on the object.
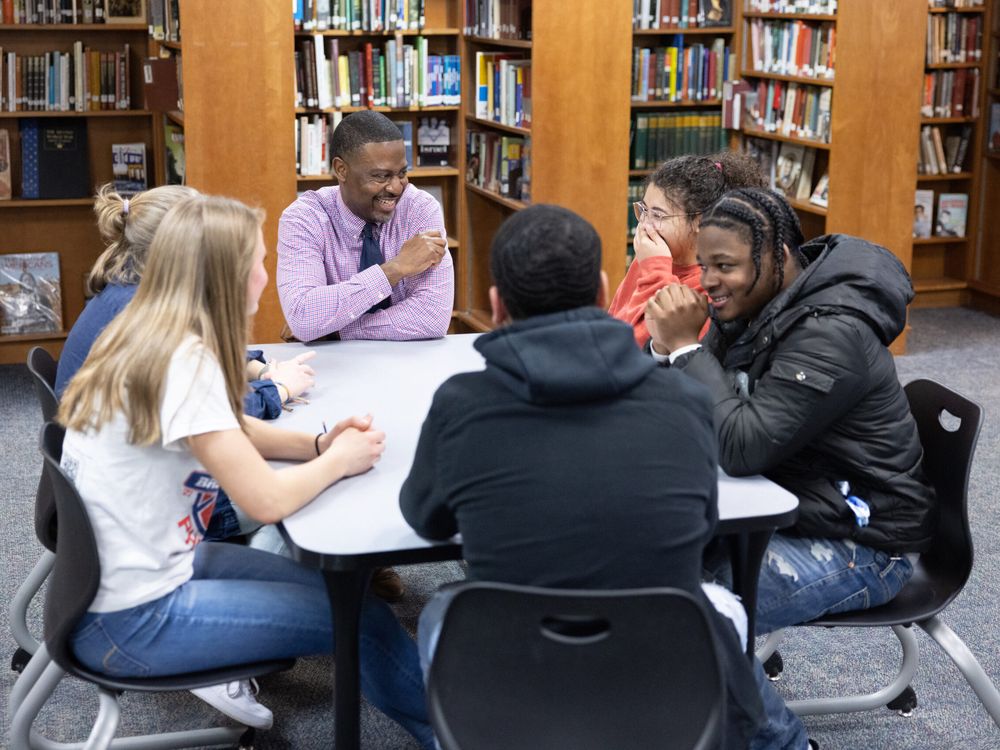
(949, 443)
(77, 571)
(541, 668)
(43, 367)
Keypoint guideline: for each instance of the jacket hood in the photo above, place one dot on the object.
(847, 275)
(566, 357)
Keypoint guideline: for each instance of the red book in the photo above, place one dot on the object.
(369, 87)
(8, 11)
(958, 93)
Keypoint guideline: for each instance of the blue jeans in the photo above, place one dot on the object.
(782, 731)
(802, 578)
(244, 605)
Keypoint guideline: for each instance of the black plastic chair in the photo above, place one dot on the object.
(541, 668)
(42, 367)
(72, 587)
(938, 574)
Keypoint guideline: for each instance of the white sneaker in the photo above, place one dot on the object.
(236, 700)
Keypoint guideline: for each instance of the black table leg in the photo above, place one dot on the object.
(746, 552)
(346, 589)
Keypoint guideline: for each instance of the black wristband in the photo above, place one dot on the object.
(316, 442)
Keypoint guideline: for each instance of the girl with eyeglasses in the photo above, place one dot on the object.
(669, 214)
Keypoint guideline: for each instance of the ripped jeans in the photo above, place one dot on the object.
(802, 578)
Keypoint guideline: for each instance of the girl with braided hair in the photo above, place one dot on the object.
(805, 392)
(675, 197)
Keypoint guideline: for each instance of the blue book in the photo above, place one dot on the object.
(55, 161)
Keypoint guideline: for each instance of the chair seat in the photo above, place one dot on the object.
(925, 595)
(185, 681)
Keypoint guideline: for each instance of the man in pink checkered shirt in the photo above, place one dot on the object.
(368, 258)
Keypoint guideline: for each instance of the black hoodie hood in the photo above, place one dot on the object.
(849, 275)
(566, 357)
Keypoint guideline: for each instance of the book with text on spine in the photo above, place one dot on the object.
(30, 294)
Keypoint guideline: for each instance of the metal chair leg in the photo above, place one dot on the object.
(18, 613)
(967, 663)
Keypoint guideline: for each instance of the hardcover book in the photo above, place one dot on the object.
(5, 182)
(952, 210)
(54, 158)
(128, 167)
(923, 209)
(30, 295)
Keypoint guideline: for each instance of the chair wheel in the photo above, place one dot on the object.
(904, 703)
(774, 666)
(247, 738)
(19, 660)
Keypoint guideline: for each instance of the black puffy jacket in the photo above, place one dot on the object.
(807, 394)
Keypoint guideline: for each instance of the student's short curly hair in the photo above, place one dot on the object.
(694, 183)
(546, 259)
(361, 128)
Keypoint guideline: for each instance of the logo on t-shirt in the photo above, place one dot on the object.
(204, 490)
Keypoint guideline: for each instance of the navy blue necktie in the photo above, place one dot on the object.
(371, 255)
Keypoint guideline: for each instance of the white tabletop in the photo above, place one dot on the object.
(395, 382)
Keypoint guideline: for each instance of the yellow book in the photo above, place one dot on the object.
(672, 53)
(344, 76)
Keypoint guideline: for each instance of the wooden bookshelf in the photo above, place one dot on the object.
(943, 265)
(984, 276)
(579, 138)
(67, 225)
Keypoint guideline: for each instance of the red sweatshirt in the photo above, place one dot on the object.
(644, 279)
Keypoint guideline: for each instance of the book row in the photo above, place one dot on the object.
(790, 169)
(793, 48)
(943, 153)
(82, 80)
(789, 109)
(955, 3)
(30, 293)
(51, 11)
(954, 38)
(952, 209)
(503, 88)
(677, 73)
(681, 14)
(818, 7)
(498, 19)
(499, 163)
(658, 136)
(314, 132)
(165, 20)
(951, 93)
(396, 75)
(358, 15)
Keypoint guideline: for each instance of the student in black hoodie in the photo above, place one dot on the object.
(573, 461)
(805, 392)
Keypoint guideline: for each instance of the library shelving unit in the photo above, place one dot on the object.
(871, 157)
(577, 135)
(659, 100)
(441, 32)
(943, 266)
(67, 226)
(238, 79)
(984, 283)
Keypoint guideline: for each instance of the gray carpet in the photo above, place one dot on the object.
(958, 347)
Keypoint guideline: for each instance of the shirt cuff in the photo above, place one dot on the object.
(679, 352)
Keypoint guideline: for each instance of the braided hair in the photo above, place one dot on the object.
(765, 220)
(694, 183)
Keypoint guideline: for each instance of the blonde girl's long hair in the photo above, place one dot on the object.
(195, 283)
(128, 234)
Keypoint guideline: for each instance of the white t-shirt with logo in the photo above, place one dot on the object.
(150, 505)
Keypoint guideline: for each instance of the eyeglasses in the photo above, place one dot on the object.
(654, 217)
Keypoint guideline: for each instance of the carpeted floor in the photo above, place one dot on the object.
(961, 348)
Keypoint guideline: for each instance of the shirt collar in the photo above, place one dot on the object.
(354, 223)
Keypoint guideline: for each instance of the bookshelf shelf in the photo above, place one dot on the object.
(789, 79)
(74, 113)
(640, 172)
(940, 284)
(790, 16)
(382, 34)
(954, 66)
(453, 244)
(992, 155)
(809, 208)
(75, 28)
(479, 321)
(175, 46)
(683, 104)
(498, 125)
(703, 30)
(416, 172)
(516, 205)
(940, 240)
(946, 120)
(513, 43)
(942, 11)
(947, 177)
(175, 116)
(47, 203)
(785, 139)
(346, 110)
(23, 337)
